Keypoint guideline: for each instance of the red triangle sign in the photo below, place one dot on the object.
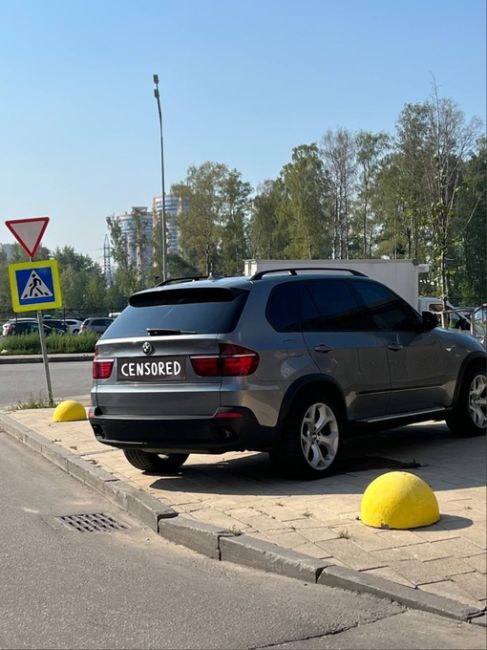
(28, 232)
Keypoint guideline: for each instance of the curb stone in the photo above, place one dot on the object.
(223, 545)
(198, 536)
(269, 557)
(344, 578)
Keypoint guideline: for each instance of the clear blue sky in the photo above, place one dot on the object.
(242, 82)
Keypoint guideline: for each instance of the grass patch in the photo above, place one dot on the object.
(56, 343)
(39, 402)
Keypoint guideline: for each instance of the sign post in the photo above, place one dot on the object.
(34, 285)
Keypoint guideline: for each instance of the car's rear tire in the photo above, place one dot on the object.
(469, 416)
(154, 462)
(311, 440)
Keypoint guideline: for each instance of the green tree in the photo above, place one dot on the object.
(302, 212)
(390, 204)
(433, 145)
(201, 221)
(128, 275)
(370, 148)
(235, 223)
(338, 153)
(213, 225)
(471, 232)
(451, 141)
(82, 282)
(266, 241)
(177, 267)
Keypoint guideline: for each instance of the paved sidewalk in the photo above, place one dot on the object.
(239, 492)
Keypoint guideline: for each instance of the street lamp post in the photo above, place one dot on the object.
(163, 220)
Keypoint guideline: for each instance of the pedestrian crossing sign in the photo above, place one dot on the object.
(35, 286)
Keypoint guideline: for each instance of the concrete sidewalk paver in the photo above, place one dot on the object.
(239, 492)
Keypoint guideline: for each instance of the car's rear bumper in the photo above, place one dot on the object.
(230, 429)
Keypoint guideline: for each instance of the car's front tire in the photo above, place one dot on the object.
(469, 416)
(150, 462)
(311, 441)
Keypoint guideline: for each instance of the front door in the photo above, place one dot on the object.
(417, 367)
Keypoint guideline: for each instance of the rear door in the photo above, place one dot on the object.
(344, 347)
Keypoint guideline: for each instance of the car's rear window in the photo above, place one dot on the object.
(199, 311)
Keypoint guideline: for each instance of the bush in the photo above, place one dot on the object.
(56, 343)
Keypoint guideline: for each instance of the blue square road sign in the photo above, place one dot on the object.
(35, 286)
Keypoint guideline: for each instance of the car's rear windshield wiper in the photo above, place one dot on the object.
(157, 332)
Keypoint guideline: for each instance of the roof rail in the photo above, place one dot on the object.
(293, 271)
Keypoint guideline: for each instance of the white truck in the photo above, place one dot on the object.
(402, 276)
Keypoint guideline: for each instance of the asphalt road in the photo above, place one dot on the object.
(20, 382)
(61, 588)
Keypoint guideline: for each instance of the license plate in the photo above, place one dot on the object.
(153, 369)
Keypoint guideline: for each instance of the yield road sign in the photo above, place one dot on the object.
(35, 286)
(28, 232)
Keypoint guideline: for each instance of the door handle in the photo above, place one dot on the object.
(395, 347)
(323, 349)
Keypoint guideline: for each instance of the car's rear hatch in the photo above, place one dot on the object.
(157, 349)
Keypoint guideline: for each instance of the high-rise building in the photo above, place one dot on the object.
(174, 206)
(136, 227)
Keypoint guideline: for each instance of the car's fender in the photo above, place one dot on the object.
(303, 385)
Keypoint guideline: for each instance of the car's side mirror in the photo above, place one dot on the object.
(430, 321)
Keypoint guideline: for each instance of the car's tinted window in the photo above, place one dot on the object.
(55, 323)
(386, 311)
(196, 314)
(330, 305)
(24, 328)
(283, 307)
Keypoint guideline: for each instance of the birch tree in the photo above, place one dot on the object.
(338, 152)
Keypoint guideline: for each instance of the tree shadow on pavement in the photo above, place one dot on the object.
(429, 450)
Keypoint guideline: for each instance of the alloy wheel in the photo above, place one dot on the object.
(319, 436)
(477, 401)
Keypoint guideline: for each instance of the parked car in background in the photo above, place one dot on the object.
(56, 323)
(74, 325)
(97, 325)
(480, 320)
(290, 362)
(7, 325)
(480, 314)
(28, 327)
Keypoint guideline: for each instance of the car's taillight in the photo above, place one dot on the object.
(102, 368)
(206, 366)
(232, 361)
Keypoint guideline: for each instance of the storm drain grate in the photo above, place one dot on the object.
(92, 522)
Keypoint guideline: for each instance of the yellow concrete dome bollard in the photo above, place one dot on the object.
(68, 411)
(399, 500)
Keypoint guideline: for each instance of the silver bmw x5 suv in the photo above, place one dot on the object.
(287, 361)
